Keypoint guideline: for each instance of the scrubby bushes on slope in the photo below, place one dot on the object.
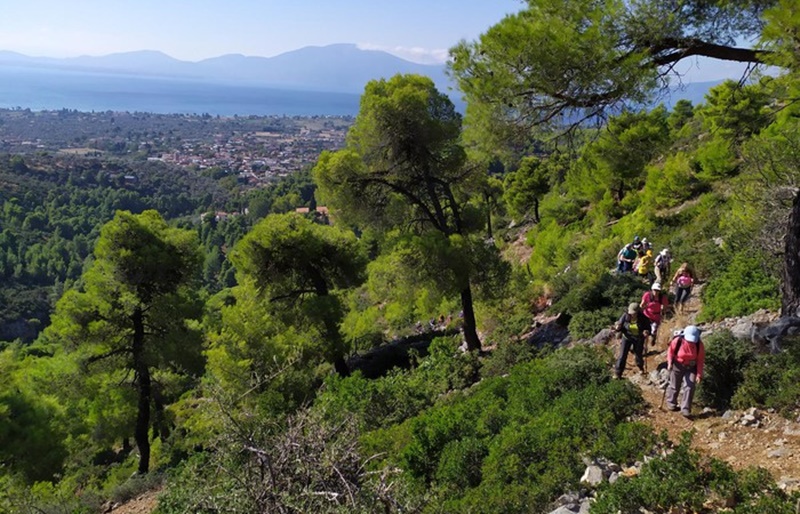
(727, 358)
(772, 381)
(518, 441)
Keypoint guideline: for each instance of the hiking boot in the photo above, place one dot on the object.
(673, 408)
(686, 414)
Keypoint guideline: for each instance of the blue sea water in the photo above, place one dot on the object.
(47, 89)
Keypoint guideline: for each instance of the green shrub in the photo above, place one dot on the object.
(401, 393)
(564, 210)
(505, 356)
(671, 183)
(585, 324)
(772, 381)
(716, 159)
(523, 434)
(685, 481)
(576, 293)
(629, 440)
(595, 303)
(743, 287)
(761, 382)
(725, 364)
(431, 433)
(460, 463)
(553, 249)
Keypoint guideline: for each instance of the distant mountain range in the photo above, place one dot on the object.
(311, 80)
(342, 68)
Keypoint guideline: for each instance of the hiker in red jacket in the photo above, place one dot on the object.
(685, 359)
(654, 303)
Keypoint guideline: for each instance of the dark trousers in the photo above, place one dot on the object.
(625, 347)
(682, 294)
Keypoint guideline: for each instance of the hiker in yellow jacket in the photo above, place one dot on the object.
(645, 269)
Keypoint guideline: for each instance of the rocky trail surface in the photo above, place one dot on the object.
(740, 438)
(145, 503)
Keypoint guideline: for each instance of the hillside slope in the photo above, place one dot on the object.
(743, 439)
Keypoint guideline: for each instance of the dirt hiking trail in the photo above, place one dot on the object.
(740, 438)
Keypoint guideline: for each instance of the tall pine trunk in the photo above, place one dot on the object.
(470, 328)
(141, 432)
(790, 287)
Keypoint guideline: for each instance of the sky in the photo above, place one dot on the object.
(192, 30)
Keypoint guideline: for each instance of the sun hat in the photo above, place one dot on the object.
(691, 334)
(633, 308)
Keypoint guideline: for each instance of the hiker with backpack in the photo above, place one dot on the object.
(683, 280)
(662, 265)
(654, 303)
(634, 327)
(645, 268)
(625, 258)
(685, 360)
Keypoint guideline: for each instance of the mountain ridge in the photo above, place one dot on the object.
(339, 68)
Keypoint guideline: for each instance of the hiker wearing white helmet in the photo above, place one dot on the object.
(662, 265)
(685, 359)
(653, 304)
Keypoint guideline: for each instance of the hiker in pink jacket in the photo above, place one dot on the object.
(653, 304)
(685, 359)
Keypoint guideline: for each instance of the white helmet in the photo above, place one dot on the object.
(665, 252)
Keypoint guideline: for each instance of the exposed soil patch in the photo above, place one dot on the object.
(145, 503)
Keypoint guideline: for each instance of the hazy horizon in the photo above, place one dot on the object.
(416, 30)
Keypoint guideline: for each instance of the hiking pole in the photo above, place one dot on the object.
(663, 396)
(644, 352)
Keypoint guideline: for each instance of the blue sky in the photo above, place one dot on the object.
(192, 30)
(420, 30)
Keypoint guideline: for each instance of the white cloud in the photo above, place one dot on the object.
(414, 54)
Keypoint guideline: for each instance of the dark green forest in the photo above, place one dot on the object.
(237, 363)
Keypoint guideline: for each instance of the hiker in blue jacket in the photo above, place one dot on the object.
(634, 327)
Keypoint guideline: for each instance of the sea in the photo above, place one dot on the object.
(41, 89)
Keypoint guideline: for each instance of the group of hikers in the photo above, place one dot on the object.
(640, 322)
(637, 257)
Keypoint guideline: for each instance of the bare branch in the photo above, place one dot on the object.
(692, 46)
